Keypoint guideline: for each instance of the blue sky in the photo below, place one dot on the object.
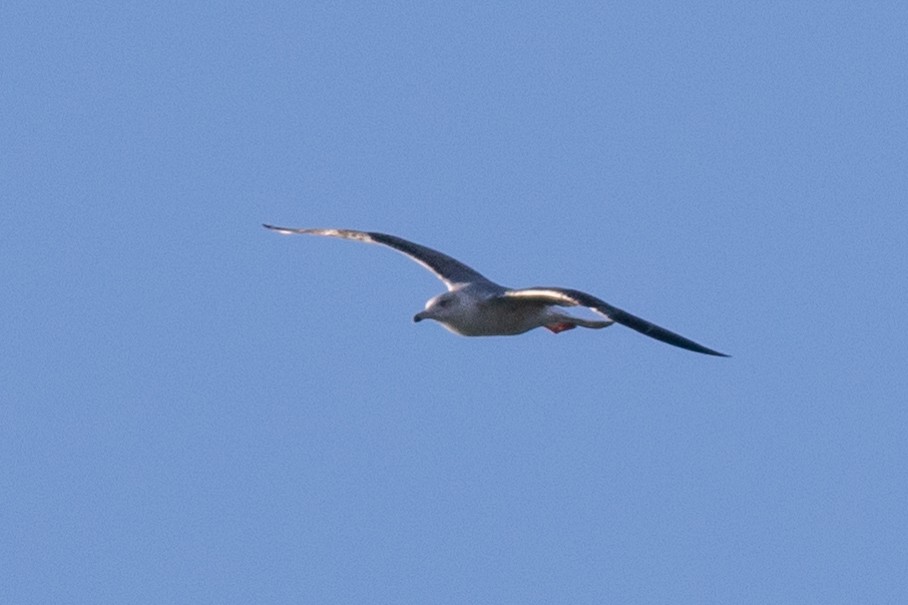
(195, 410)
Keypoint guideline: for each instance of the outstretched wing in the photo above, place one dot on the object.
(565, 297)
(451, 271)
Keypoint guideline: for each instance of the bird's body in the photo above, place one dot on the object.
(487, 310)
(477, 306)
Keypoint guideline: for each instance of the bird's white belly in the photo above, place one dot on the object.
(501, 321)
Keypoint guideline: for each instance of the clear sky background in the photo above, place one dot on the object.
(195, 410)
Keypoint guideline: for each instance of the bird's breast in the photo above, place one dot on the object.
(495, 320)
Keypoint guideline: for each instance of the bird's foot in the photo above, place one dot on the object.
(560, 327)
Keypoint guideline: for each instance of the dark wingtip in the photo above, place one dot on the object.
(280, 230)
(692, 346)
(716, 353)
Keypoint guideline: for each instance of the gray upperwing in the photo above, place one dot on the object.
(449, 270)
(567, 297)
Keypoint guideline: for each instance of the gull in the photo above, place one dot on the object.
(476, 306)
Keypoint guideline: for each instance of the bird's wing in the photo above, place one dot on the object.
(565, 297)
(451, 271)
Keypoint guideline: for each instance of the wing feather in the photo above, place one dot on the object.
(565, 297)
(449, 270)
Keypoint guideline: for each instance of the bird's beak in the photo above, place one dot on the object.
(420, 316)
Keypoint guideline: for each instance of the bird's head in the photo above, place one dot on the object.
(445, 308)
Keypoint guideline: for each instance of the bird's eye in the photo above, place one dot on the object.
(444, 302)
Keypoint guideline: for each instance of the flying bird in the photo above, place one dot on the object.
(476, 306)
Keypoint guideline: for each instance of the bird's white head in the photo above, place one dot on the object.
(448, 309)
